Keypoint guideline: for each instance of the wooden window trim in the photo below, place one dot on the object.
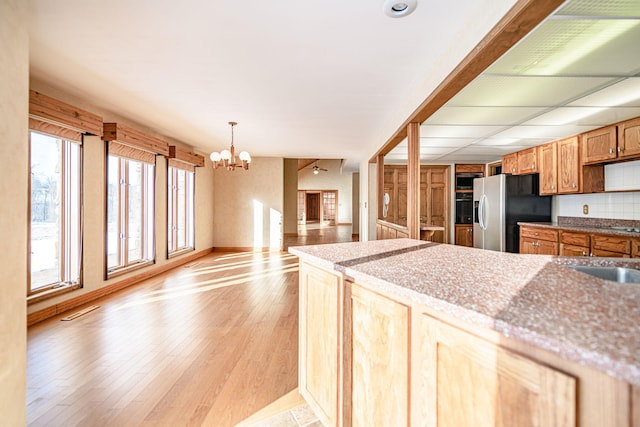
(179, 154)
(134, 138)
(63, 115)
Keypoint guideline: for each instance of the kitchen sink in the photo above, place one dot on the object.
(615, 274)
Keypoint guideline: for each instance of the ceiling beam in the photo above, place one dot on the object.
(523, 17)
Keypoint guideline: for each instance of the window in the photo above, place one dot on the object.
(180, 215)
(56, 188)
(130, 213)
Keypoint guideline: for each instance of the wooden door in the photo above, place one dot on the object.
(379, 360)
(569, 165)
(320, 349)
(599, 145)
(434, 200)
(629, 138)
(480, 384)
(313, 207)
(548, 169)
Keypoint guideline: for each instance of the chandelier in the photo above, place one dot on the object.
(227, 158)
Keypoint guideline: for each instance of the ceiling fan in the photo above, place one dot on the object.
(317, 169)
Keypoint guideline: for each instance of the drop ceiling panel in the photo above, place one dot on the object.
(576, 47)
(586, 116)
(512, 142)
(483, 115)
(438, 131)
(601, 8)
(550, 132)
(625, 93)
(526, 91)
(446, 142)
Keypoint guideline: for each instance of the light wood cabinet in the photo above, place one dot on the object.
(434, 200)
(379, 360)
(549, 169)
(476, 383)
(629, 138)
(538, 241)
(464, 235)
(569, 167)
(320, 349)
(574, 243)
(510, 164)
(599, 145)
(528, 161)
(610, 246)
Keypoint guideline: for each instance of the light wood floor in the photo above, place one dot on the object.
(212, 343)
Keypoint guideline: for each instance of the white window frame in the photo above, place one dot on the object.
(122, 239)
(70, 217)
(187, 198)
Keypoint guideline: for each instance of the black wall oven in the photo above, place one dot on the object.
(464, 208)
(464, 181)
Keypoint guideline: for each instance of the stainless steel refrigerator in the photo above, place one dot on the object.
(499, 203)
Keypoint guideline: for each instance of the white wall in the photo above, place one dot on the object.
(625, 205)
(331, 180)
(248, 205)
(14, 107)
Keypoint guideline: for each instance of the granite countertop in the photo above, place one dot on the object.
(530, 298)
(626, 228)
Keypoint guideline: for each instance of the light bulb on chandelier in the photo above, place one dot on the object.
(227, 158)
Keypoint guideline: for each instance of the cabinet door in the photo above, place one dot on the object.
(464, 235)
(629, 138)
(379, 360)
(528, 245)
(621, 245)
(510, 163)
(546, 247)
(571, 250)
(548, 169)
(320, 350)
(528, 161)
(569, 165)
(635, 248)
(599, 145)
(480, 384)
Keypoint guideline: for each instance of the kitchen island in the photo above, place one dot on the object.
(408, 332)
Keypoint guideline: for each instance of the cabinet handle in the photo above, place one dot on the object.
(584, 253)
(610, 150)
(574, 185)
(553, 187)
(619, 149)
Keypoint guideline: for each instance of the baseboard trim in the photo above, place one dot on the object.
(244, 249)
(61, 307)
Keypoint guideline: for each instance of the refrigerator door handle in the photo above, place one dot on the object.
(482, 212)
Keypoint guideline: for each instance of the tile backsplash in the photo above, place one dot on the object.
(618, 177)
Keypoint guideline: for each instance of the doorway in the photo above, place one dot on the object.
(312, 207)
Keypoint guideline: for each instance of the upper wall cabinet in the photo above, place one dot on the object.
(607, 144)
(522, 162)
(599, 145)
(629, 138)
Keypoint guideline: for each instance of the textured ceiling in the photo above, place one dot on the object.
(579, 70)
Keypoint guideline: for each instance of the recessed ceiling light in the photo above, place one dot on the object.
(399, 8)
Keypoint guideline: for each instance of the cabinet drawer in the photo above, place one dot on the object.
(572, 250)
(620, 245)
(575, 239)
(539, 233)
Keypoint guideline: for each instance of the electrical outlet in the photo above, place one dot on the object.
(585, 209)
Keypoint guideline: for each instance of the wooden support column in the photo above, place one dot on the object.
(380, 183)
(413, 180)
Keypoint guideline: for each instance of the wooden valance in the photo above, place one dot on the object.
(55, 130)
(49, 110)
(134, 138)
(184, 155)
(178, 164)
(121, 150)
